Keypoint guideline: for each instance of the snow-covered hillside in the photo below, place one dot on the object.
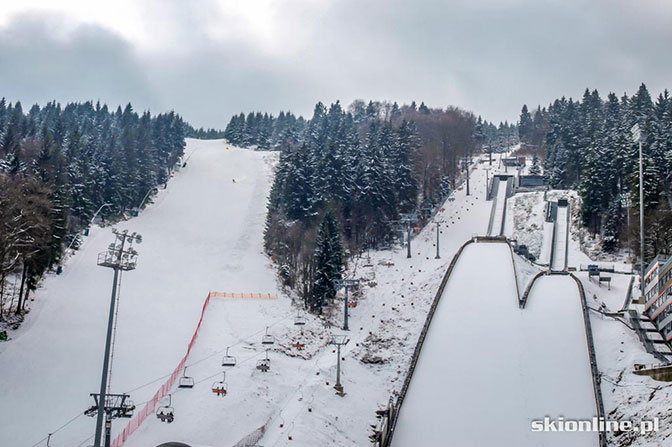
(205, 233)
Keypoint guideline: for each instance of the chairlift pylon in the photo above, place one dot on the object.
(220, 388)
(264, 365)
(267, 339)
(166, 413)
(185, 381)
(228, 360)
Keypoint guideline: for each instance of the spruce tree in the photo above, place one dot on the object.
(327, 264)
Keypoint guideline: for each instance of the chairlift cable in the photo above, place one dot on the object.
(196, 362)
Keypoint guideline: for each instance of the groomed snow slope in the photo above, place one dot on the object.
(560, 245)
(488, 368)
(203, 233)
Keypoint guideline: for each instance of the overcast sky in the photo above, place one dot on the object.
(209, 59)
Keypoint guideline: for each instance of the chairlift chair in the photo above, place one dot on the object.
(185, 381)
(300, 320)
(267, 339)
(220, 388)
(129, 407)
(166, 413)
(228, 360)
(298, 345)
(264, 365)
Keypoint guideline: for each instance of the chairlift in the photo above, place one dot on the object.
(264, 365)
(220, 388)
(166, 413)
(185, 381)
(129, 407)
(267, 339)
(228, 360)
(300, 320)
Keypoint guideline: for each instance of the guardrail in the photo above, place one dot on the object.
(597, 388)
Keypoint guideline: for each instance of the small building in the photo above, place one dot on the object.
(514, 161)
(531, 181)
(658, 294)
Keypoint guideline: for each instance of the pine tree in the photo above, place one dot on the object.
(535, 169)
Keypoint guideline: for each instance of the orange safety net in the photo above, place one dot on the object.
(249, 296)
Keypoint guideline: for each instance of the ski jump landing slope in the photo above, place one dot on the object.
(204, 232)
(559, 254)
(488, 368)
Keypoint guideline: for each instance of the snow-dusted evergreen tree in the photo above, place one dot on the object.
(535, 169)
(76, 158)
(328, 263)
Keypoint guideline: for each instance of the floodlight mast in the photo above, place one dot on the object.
(118, 257)
(637, 137)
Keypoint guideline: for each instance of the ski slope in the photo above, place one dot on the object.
(559, 254)
(499, 207)
(487, 368)
(204, 232)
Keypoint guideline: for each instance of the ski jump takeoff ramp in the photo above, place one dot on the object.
(487, 368)
(560, 238)
(496, 225)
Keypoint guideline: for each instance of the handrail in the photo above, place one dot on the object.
(628, 296)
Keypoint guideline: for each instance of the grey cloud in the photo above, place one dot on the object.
(40, 61)
(489, 56)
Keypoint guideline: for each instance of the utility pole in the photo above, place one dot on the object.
(408, 219)
(346, 284)
(638, 138)
(339, 340)
(466, 166)
(119, 257)
(438, 231)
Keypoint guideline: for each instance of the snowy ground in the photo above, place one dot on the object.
(525, 220)
(205, 233)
